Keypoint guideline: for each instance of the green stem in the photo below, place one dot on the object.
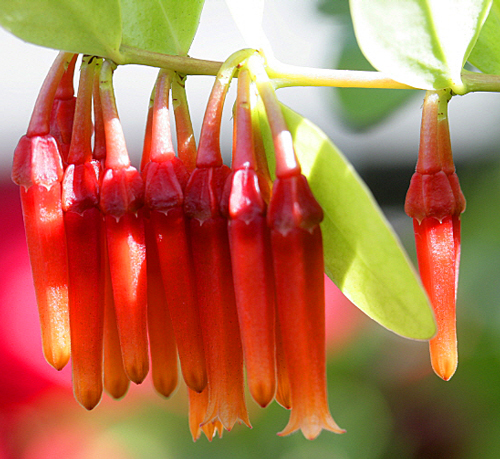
(480, 82)
(284, 75)
(181, 64)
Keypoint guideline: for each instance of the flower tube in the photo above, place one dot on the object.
(165, 177)
(116, 382)
(294, 217)
(38, 169)
(82, 219)
(203, 203)
(122, 196)
(435, 202)
(252, 265)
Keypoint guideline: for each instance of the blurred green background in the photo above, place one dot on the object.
(381, 387)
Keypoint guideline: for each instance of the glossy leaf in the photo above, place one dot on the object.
(486, 53)
(102, 27)
(423, 43)
(363, 256)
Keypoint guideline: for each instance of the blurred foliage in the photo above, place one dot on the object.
(359, 109)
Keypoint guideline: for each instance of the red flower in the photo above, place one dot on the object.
(435, 202)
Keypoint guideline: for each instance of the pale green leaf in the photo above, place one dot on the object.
(101, 28)
(486, 53)
(363, 256)
(163, 26)
(423, 43)
(80, 26)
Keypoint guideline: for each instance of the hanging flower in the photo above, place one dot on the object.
(435, 202)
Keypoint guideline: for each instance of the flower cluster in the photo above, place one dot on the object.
(183, 260)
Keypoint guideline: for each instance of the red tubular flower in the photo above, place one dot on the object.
(212, 261)
(250, 244)
(162, 344)
(122, 195)
(38, 169)
(165, 177)
(294, 217)
(435, 202)
(82, 219)
(265, 186)
(116, 382)
(63, 111)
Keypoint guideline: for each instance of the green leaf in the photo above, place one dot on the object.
(363, 256)
(83, 26)
(363, 108)
(486, 53)
(100, 27)
(163, 26)
(423, 43)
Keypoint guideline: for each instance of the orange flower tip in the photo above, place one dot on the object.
(89, 399)
(165, 387)
(444, 367)
(117, 390)
(195, 435)
(137, 374)
(58, 360)
(196, 381)
(283, 398)
(311, 428)
(283, 404)
(209, 429)
(263, 394)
